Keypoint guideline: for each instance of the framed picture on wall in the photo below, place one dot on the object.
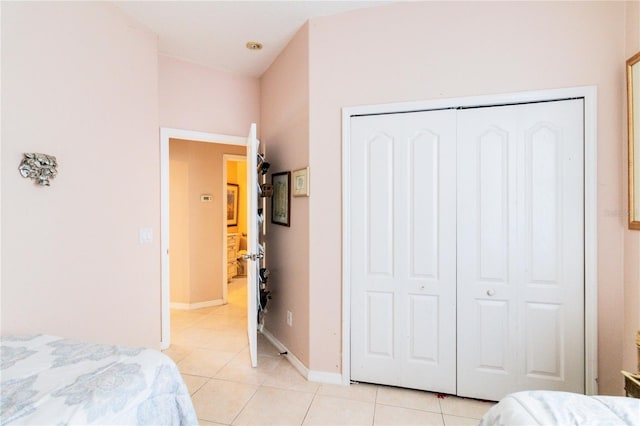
(232, 204)
(280, 207)
(301, 182)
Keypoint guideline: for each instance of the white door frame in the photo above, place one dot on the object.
(165, 135)
(589, 94)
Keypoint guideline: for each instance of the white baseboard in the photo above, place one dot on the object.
(199, 305)
(324, 377)
(312, 376)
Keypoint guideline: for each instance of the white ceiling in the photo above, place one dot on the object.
(214, 33)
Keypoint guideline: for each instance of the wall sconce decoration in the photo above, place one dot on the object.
(39, 167)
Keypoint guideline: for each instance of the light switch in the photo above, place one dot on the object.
(146, 235)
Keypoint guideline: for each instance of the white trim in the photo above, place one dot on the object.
(471, 101)
(346, 245)
(295, 362)
(225, 231)
(203, 136)
(589, 94)
(310, 375)
(165, 135)
(199, 305)
(323, 377)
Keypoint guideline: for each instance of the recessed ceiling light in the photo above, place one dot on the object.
(254, 45)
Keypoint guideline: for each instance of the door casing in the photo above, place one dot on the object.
(589, 94)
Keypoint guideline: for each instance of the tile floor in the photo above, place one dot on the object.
(211, 350)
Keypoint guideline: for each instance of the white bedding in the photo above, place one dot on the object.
(562, 408)
(50, 380)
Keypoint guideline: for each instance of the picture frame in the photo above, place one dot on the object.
(633, 122)
(301, 182)
(280, 201)
(233, 193)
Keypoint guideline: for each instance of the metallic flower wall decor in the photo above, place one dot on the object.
(40, 167)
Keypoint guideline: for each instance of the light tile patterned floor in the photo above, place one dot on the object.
(211, 350)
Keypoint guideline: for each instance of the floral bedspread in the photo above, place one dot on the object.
(50, 380)
(562, 408)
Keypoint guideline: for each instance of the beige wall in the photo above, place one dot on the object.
(285, 133)
(79, 81)
(197, 233)
(631, 238)
(430, 50)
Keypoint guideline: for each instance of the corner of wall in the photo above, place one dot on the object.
(285, 134)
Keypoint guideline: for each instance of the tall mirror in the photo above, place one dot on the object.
(633, 109)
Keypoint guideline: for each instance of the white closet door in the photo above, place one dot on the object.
(403, 272)
(520, 249)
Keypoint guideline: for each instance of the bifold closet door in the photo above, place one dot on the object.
(402, 236)
(520, 249)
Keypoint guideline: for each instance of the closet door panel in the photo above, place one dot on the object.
(543, 187)
(379, 322)
(540, 205)
(424, 171)
(493, 335)
(379, 193)
(487, 311)
(552, 245)
(403, 284)
(424, 314)
(544, 346)
(491, 177)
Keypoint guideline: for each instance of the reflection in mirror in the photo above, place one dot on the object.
(633, 109)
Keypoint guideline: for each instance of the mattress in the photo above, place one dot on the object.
(562, 408)
(51, 380)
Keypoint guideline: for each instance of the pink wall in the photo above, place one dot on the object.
(631, 238)
(193, 97)
(79, 81)
(429, 50)
(196, 232)
(285, 133)
(89, 87)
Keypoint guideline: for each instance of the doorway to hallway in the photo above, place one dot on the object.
(193, 273)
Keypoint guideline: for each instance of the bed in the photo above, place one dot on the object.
(562, 408)
(51, 380)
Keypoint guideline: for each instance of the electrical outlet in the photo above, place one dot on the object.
(289, 319)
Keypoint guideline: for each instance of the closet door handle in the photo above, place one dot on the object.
(491, 292)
